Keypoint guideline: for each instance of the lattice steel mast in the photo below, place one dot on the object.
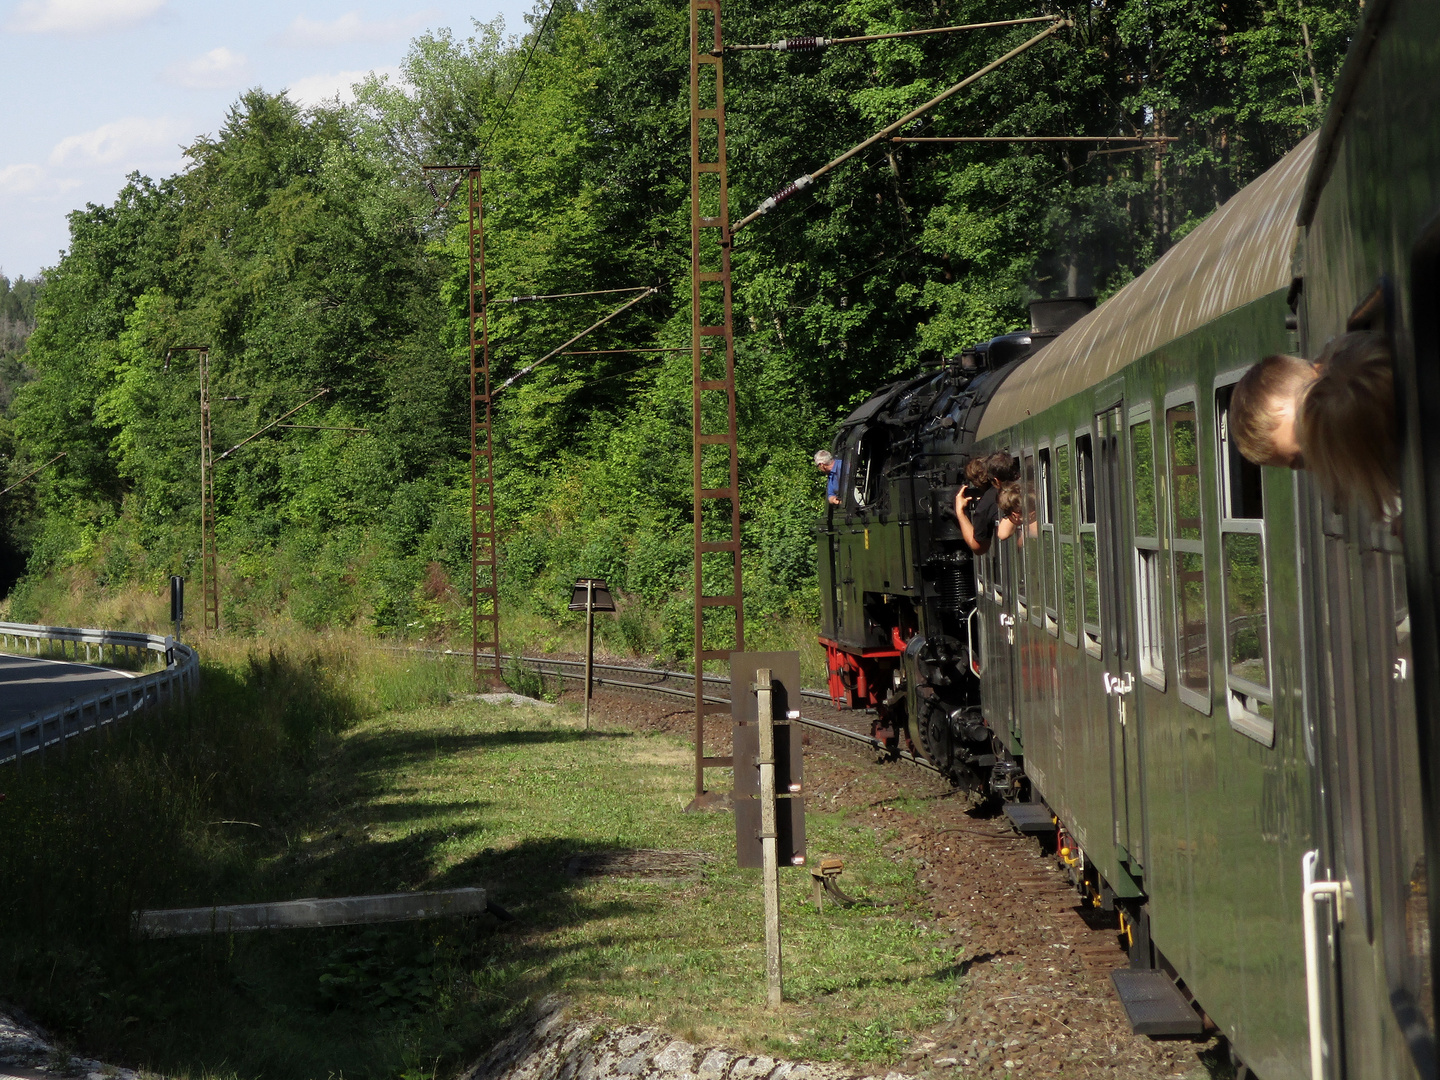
(710, 281)
(209, 561)
(484, 579)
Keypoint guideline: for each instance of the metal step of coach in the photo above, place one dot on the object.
(1153, 1003)
(1030, 818)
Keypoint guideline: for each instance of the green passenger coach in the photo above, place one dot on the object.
(1215, 687)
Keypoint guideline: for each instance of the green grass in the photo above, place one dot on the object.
(337, 771)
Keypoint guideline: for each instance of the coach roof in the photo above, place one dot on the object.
(1242, 252)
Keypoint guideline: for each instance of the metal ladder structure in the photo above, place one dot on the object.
(209, 560)
(482, 459)
(710, 282)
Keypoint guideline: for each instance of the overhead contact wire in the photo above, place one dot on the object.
(811, 43)
(534, 44)
(809, 178)
(561, 348)
(567, 295)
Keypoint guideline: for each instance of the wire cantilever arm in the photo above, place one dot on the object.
(273, 423)
(811, 43)
(47, 464)
(809, 178)
(561, 348)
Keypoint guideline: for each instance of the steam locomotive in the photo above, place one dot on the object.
(897, 581)
(1213, 691)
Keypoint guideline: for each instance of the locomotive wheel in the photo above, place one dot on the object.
(931, 736)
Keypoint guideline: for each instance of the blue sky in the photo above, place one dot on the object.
(93, 89)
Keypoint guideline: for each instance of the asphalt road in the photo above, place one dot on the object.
(27, 684)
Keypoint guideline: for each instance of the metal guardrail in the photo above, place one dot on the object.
(50, 729)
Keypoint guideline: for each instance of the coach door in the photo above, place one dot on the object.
(1008, 569)
(1106, 575)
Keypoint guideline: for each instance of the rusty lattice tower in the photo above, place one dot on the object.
(719, 616)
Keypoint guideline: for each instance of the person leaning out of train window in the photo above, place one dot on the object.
(1012, 513)
(826, 463)
(980, 524)
(1346, 425)
(1264, 408)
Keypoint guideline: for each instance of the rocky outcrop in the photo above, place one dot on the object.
(27, 1053)
(552, 1045)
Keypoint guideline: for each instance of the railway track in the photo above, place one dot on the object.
(681, 684)
(1037, 958)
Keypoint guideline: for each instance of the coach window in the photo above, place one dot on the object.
(1065, 488)
(1247, 615)
(1047, 540)
(1029, 537)
(1192, 642)
(1089, 556)
(1147, 549)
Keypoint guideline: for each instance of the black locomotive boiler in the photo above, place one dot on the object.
(1215, 687)
(896, 578)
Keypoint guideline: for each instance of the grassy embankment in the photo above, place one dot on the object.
(74, 598)
(318, 766)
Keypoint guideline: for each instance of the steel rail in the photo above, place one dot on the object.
(537, 662)
(670, 691)
(568, 295)
(561, 348)
(273, 423)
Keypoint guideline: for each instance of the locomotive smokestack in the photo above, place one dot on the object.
(1052, 317)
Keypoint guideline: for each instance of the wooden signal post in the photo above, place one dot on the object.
(769, 811)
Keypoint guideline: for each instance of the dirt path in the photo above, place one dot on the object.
(1037, 999)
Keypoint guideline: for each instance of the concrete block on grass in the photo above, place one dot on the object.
(294, 914)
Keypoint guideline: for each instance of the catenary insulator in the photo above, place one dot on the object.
(800, 44)
(784, 193)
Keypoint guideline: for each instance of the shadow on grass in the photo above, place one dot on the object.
(400, 748)
(144, 819)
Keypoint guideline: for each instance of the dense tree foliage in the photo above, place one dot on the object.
(309, 250)
(17, 320)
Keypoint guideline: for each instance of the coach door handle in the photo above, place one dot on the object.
(1316, 890)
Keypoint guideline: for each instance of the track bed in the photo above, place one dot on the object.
(1037, 1000)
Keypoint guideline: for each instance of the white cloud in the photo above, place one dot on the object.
(20, 179)
(350, 27)
(218, 69)
(313, 89)
(80, 16)
(125, 142)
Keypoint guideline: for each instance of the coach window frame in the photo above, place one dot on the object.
(1188, 395)
(1148, 553)
(1049, 552)
(1068, 595)
(1029, 560)
(1250, 705)
(1092, 634)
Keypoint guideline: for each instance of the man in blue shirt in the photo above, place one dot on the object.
(826, 463)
